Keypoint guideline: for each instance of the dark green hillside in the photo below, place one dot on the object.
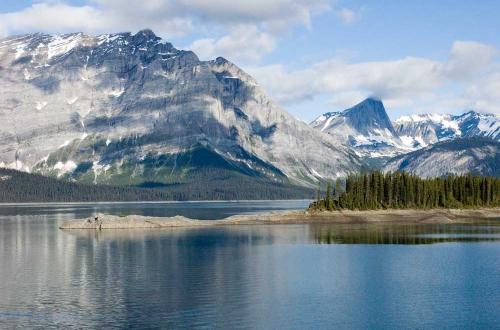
(209, 184)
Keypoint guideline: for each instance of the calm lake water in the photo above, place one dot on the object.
(249, 277)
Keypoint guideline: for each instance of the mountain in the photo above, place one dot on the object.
(131, 109)
(422, 130)
(365, 127)
(476, 155)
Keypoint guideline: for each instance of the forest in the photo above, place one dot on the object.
(18, 187)
(399, 190)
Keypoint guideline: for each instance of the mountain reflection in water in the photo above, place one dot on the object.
(243, 277)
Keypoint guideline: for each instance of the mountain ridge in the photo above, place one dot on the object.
(475, 155)
(425, 129)
(109, 106)
(396, 145)
(414, 131)
(132, 109)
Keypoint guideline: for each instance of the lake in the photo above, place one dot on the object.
(250, 277)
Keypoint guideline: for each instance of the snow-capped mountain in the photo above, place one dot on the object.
(422, 130)
(475, 155)
(366, 128)
(130, 108)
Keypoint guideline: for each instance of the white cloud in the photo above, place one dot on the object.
(469, 59)
(244, 43)
(59, 18)
(50, 16)
(167, 17)
(287, 87)
(485, 93)
(276, 13)
(255, 26)
(470, 78)
(243, 30)
(408, 76)
(346, 15)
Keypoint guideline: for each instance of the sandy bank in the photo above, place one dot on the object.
(105, 221)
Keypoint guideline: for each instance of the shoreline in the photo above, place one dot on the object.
(156, 202)
(436, 216)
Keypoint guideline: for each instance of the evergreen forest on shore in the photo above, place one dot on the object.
(402, 190)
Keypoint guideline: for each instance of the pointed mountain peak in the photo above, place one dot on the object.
(368, 115)
(368, 103)
(369, 109)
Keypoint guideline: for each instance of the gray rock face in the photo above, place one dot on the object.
(112, 108)
(459, 156)
(365, 128)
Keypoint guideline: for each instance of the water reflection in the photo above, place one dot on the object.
(196, 210)
(405, 233)
(260, 277)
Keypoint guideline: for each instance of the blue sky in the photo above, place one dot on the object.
(313, 56)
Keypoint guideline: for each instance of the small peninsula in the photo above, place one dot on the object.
(106, 221)
(363, 198)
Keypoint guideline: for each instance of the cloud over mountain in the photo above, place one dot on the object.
(226, 24)
(472, 72)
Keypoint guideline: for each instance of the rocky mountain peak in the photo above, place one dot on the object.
(145, 36)
(364, 127)
(368, 115)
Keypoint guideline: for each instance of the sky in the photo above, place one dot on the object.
(313, 56)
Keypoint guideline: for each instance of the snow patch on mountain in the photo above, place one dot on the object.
(40, 105)
(426, 129)
(151, 100)
(65, 167)
(61, 45)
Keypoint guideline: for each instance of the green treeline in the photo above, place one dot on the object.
(376, 190)
(18, 187)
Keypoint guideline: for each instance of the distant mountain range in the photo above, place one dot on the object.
(475, 155)
(131, 109)
(422, 130)
(470, 138)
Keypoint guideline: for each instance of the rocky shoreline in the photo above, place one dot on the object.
(106, 221)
